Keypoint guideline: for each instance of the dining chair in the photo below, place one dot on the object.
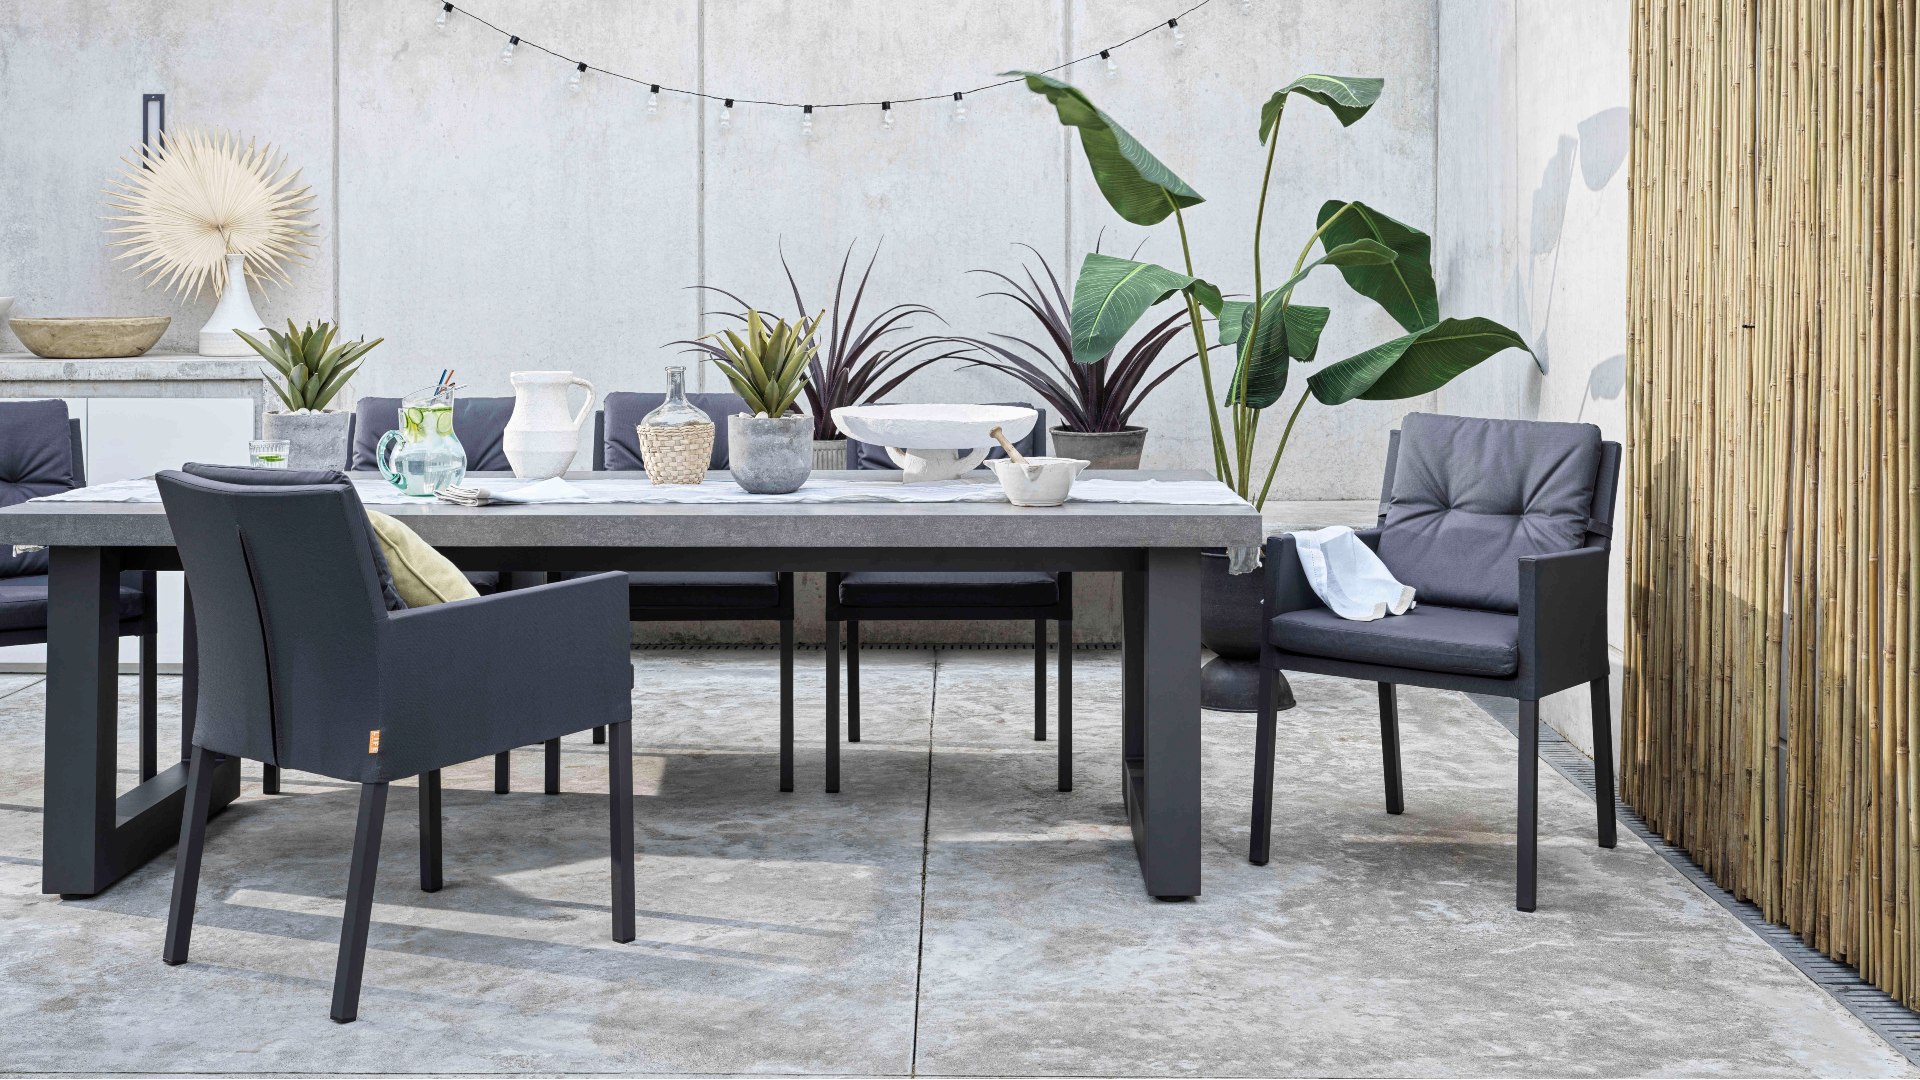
(1502, 528)
(304, 666)
(867, 596)
(40, 454)
(702, 595)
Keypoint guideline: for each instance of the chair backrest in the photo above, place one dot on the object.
(616, 445)
(287, 606)
(39, 455)
(1033, 444)
(1464, 498)
(480, 423)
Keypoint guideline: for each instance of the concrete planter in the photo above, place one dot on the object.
(1104, 449)
(829, 454)
(315, 440)
(1230, 624)
(770, 455)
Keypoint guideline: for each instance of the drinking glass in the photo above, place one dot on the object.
(268, 453)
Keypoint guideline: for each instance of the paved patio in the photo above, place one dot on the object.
(948, 913)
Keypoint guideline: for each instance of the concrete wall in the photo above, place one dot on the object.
(1531, 226)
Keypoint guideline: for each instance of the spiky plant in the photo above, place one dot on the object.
(196, 197)
(767, 366)
(312, 369)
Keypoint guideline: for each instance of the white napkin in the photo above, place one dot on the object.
(1348, 577)
(554, 490)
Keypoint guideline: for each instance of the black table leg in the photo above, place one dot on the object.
(94, 837)
(1161, 770)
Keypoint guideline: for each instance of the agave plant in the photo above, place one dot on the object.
(768, 366)
(311, 367)
(1095, 397)
(858, 362)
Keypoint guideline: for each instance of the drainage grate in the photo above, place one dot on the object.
(1888, 1018)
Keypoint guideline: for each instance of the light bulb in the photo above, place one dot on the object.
(886, 116)
(573, 80)
(806, 122)
(653, 101)
(1246, 7)
(1179, 35)
(506, 54)
(726, 115)
(440, 20)
(1113, 68)
(959, 108)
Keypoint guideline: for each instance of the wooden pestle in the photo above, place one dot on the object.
(1001, 438)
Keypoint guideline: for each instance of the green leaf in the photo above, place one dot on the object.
(1207, 294)
(1233, 320)
(1304, 323)
(1262, 368)
(1348, 96)
(1418, 363)
(1356, 253)
(1110, 297)
(1137, 186)
(1405, 289)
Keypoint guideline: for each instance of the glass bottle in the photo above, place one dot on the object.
(676, 411)
(676, 439)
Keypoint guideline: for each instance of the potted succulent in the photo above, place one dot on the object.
(769, 452)
(309, 369)
(1093, 401)
(1380, 258)
(858, 363)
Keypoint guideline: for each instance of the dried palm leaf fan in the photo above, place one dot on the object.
(200, 207)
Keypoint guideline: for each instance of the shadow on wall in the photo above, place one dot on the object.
(1599, 150)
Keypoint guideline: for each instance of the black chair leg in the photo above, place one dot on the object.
(186, 865)
(1528, 857)
(1259, 845)
(269, 779)
(189, 676)
(502, 773)
(430, 879)
(853, 680)
(1603, 759)
(1040, 680)
(149, 703)
(599, 736)
(1066, 704)
(1390, 748)
(620, 827)
(359, 906)
(786, 705)
(553, 766)
(833, 707)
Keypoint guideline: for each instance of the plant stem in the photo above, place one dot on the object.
(1220, 465)
(1286, 433)
(1317, 234)
(1247, 420)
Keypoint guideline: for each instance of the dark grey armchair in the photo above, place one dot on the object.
(1503, 529)
(304, 666)
(1040, 595)
(40, 454)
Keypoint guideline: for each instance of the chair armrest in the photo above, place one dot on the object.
(1563, 619)
(463, 680)
(1287, 588)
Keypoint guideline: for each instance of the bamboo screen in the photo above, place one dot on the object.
(1773, 682)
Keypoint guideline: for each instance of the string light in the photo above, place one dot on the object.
(1179, 37)
(440, 20)
(726, 115)
(506, 54)
(1246, 7)
(573, 80)
(886, 116)
(653, 100)
(959, 107)
(806, 121)
(1112, 68)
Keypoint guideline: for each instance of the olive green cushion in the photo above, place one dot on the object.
(421, 575)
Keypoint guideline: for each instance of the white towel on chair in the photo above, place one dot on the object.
(1348, 577)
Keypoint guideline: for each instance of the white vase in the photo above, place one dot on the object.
(543, 436)
(233, 312)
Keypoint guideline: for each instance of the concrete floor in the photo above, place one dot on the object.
(948, 913)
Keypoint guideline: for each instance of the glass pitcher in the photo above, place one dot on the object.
(424, 455)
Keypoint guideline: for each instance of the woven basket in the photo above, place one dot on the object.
(676, 455)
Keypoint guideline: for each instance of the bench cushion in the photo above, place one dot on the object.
(1430, 638)
(1022, 588)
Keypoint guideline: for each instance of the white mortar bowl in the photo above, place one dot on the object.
(1038, 481)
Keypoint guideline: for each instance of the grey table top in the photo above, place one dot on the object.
(778, 525)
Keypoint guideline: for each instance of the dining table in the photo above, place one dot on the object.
(95, 833)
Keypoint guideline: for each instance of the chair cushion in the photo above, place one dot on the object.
(23, 602)
(623, 411)
(712, 588)
(36, 458)
(1471, 496)
(480, 423)
(421, 575)
(1430, 638)
(484, 582)
(1019, 588)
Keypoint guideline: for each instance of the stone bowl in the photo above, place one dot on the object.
(89, 338)
(934, 442)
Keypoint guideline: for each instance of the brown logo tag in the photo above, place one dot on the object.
(373, 741)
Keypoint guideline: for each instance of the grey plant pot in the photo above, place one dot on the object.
(770, 455)
(315, 440)
(1231, 620)
(1105, 449)
(829, 453)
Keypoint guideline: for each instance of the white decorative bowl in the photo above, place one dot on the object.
(934, 442)
(1038, 481)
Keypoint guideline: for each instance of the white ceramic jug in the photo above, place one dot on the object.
(542, 438)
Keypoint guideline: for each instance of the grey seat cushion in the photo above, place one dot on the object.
(480, 423)
(1019, 588)
(1471, 496)
(710, 588)
(36, 458)
(623, 411)
(23, 602)
(1430, 638)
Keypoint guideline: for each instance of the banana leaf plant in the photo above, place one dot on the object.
(1380, 258)
(1095, 397)
(858, 362)
(311, 369)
